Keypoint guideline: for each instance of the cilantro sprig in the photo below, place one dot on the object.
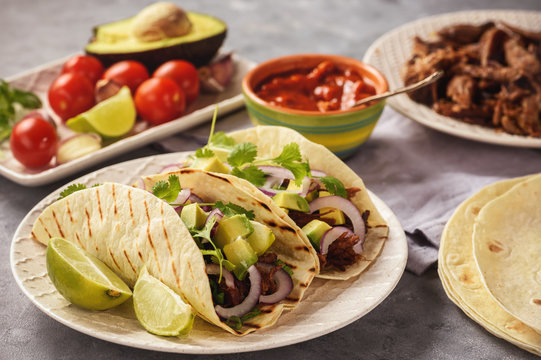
(167, 190)
(73, 188)
(334, 186)
(231, 209)
(10, 96)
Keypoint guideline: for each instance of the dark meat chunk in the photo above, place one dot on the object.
(464, 33)
(234, 296)
(341, 253)
(530, 35)
(352, 191)
(461, 90)
(268, 285)
(268, 258)
(494, 73)
(518, 57)
(491, 46)
(528, 118)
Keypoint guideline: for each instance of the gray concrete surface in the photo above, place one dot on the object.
(417, 321)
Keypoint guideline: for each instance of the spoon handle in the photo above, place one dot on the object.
(426, 81)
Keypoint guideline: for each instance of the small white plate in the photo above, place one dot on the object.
(391, 51)
(327, 305)
(38, 81)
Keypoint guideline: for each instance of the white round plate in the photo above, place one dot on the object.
(391, 51)
(327, 305)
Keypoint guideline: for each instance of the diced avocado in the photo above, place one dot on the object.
(314, 230)
(241, 254)
(113, 42)
(261, 239)
(293, 187)
(231, 228)
(213, 164)
(291, 201)
(334, 214)
(193, 216)
(220, 152)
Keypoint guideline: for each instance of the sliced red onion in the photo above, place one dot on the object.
(330, 236)
(218, 214)
(358, 247)
(214, 269)
(249, 301)
(182, 198)
(171, 168)
(347, 207)
(276, 176)
(318, 173)
(277, 171)
(196, 199)
(215, 76)
(284, 285)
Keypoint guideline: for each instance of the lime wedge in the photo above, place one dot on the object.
(113, 117)
(82, 278)
(159, 309)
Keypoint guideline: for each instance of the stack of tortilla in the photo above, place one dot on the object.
(489, 260)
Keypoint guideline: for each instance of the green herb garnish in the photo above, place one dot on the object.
(334, 186)
(71, 189)
(8, 98)
(204, 153)
(242, 154)
(235, 322)
(167, 190)
(222, 140)
(251, 173)
(231, 209)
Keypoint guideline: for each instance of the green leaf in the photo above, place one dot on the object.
(27, 99)
(231, 209)
(334, 186)
(241, 154)
(167, 190)
(71, 189)
(222, 140)
(289, 154)
(284, 266)
(204, 152)
(235, 322)
(252, 173)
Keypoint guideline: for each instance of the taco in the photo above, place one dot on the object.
(128, 228)
(314, 190)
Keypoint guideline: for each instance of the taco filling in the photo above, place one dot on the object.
(243, 273)
(318, 203)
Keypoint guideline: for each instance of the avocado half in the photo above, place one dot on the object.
(113, 42)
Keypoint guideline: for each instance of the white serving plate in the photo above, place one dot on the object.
(391, 51)
(38, 81)
(327, 305)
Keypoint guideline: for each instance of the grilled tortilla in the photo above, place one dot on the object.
(270, 141)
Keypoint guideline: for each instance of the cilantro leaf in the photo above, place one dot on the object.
(167, 190)
(334, 186)
(231, 209)
(289, 154)
(8, 98)
(252, 173)
(241, 154)
(235, 322)
(204, 152)
(222, 140)
(71, 189)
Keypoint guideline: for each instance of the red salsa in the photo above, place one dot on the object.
(324, 88)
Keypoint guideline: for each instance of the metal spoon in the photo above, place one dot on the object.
(426, 81)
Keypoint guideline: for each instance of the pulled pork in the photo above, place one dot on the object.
(492, 76)
(341, 253)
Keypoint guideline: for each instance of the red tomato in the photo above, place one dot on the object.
(128, 72)
(159, 100)
(33, 142)
(71, 94)
(86, 65)
(184, 74)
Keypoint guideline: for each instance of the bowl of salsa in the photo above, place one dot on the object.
(315, 94)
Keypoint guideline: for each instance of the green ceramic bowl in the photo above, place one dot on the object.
(341, 131)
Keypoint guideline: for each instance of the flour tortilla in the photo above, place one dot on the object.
(270, 141)
(461, 278)
(507, 250)
(288, 245)
(127, 228)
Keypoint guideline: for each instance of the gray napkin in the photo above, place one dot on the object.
(421, 174)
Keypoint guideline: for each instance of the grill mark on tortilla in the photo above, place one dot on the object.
(253, 326)
(149, 237)
(114, 200)
(58, 224)
(113, 257)
(193, 278)
(131, 208)
(166, 237)
(312, 270)
(88, 223)
(272, 223)
(302, 248)
(129, 262)
(69, 210)
(379, 226)
(219, 177)
(99, 203)
(304, 285)
(175, 272)
(293, 299)
(264, 205)
(288, 228)
(495, 248)
(536, 301)
(79, 241)
(33, 234)
(44, 227)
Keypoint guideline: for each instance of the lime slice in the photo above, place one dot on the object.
(82, 278)
(113, 117)
(159, 309)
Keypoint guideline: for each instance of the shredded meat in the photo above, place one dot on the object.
(341, 253)
(268, 286)
(234, 296)
(352, 191)
(268, 258)
(492, 76)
